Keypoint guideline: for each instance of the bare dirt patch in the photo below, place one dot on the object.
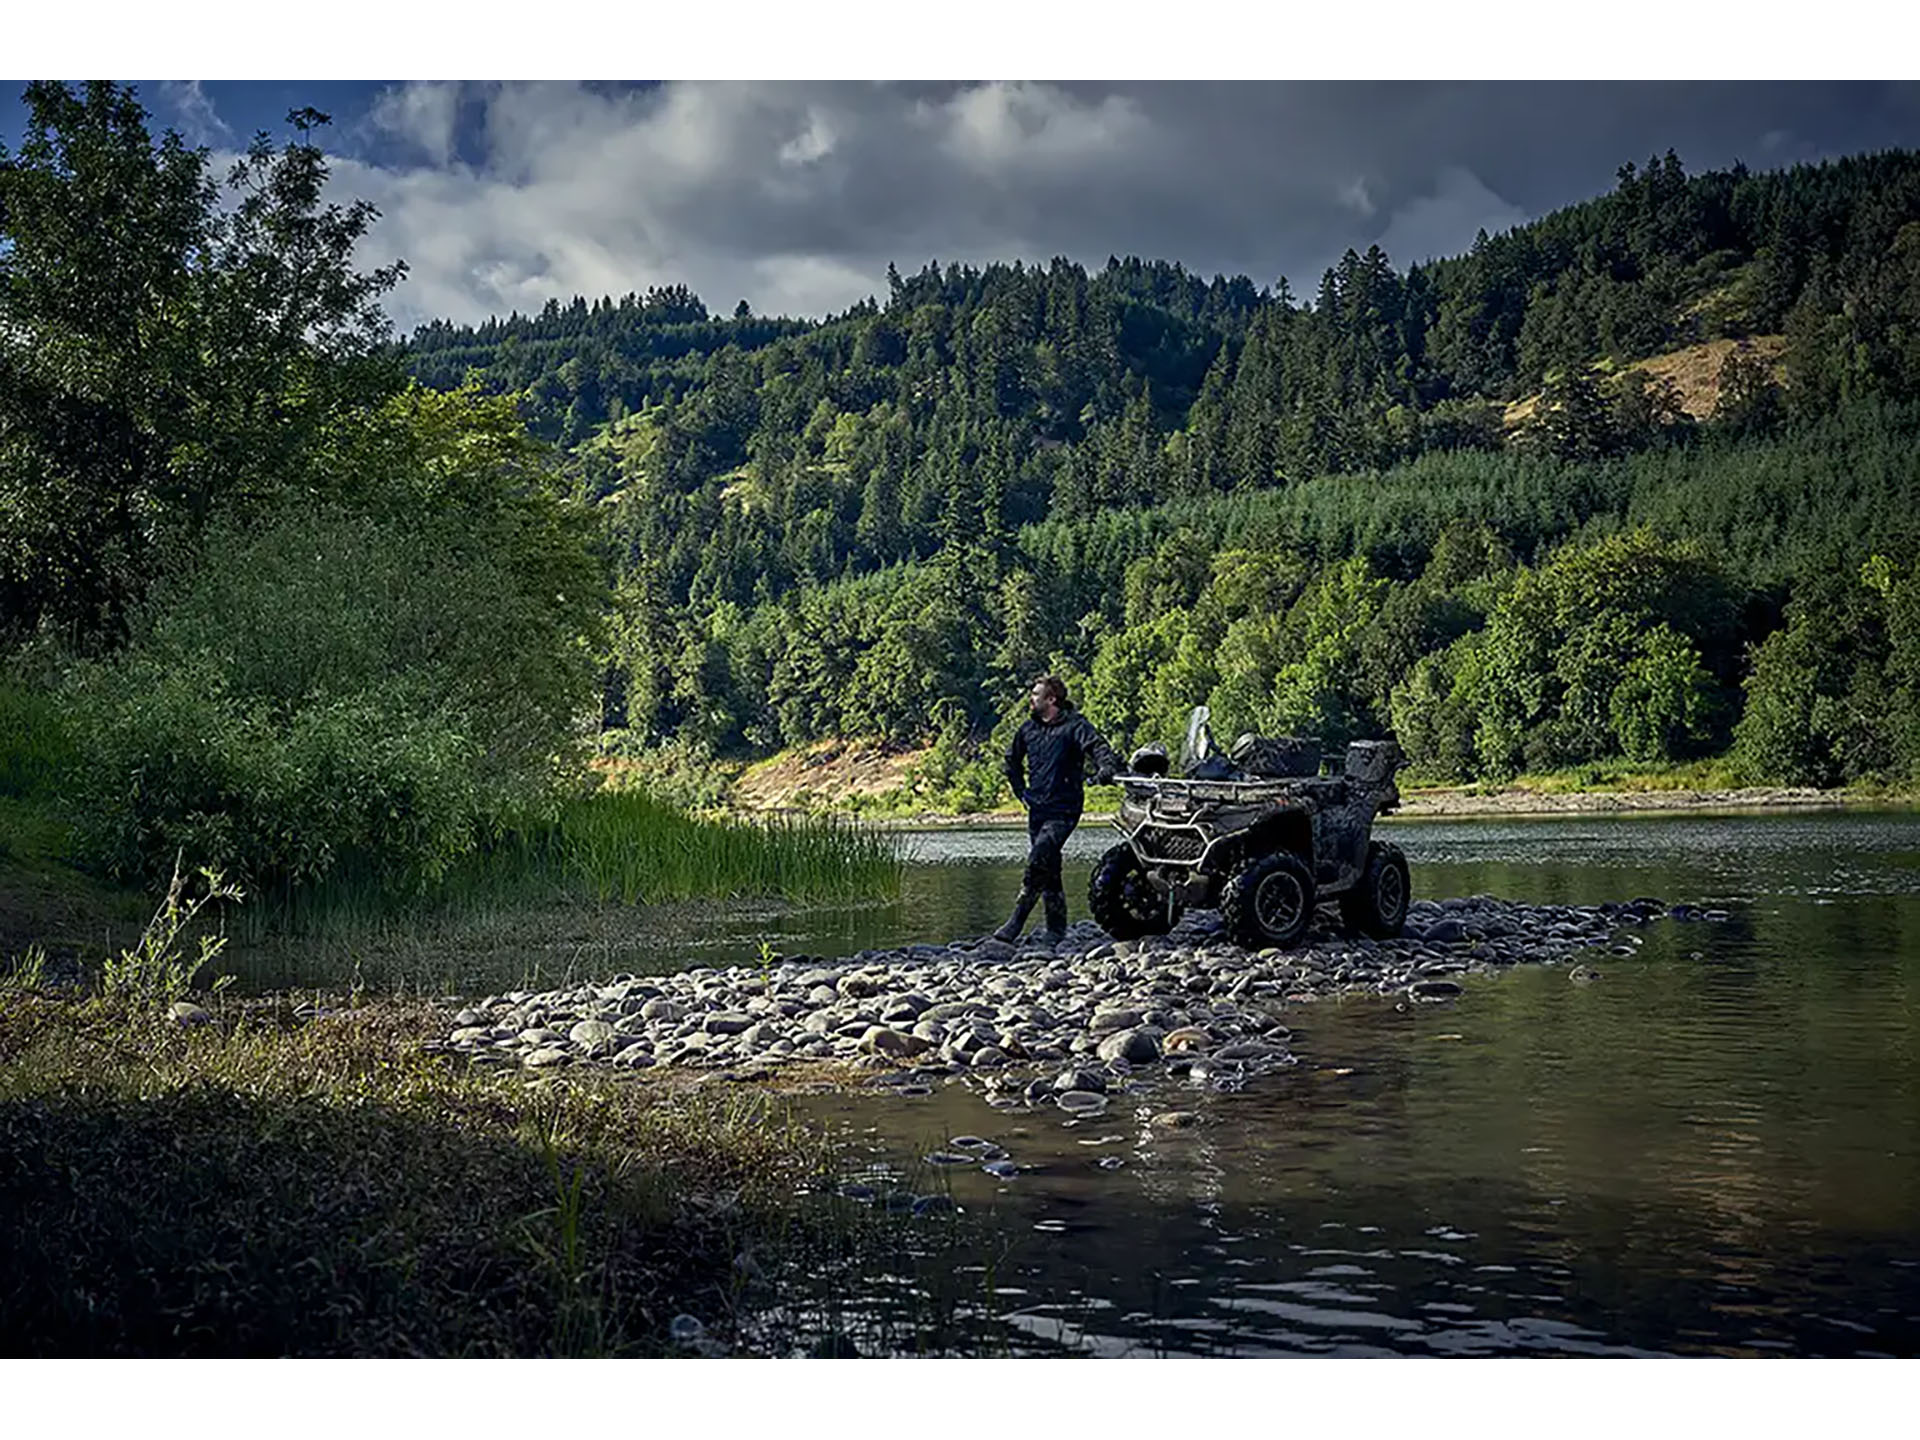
(824, 773)
(1694, 371)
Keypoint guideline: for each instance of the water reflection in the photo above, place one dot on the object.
(1713, 1150)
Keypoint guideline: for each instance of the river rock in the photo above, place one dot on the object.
(1081, 1102)
(1108, 1020)
(662, 1009)
(592, 1036)
(726, 1022)
(1079, 1078)
(1187, 1038)
(546, 1056)
(188, 1013)
(1136, 1047)
(879, 1040)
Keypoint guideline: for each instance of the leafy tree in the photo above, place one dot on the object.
(168, 351)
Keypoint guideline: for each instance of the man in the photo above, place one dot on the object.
(1047, 765)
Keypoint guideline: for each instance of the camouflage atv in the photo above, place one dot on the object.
(1263, 835)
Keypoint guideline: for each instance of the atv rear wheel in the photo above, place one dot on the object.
(1377, 906)
(1123, 903)
(1269, 901)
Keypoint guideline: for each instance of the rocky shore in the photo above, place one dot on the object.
(1037, 1024)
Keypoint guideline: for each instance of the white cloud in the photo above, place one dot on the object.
(815, 142)
(193, 115)
(421, 116)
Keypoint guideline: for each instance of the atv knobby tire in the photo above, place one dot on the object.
(1268, 901)
(1377, 906)
(1123, 903)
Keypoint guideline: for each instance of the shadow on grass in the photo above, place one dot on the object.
(256, 1186)
(205, 1222)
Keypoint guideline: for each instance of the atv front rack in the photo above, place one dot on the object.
(1147, 787)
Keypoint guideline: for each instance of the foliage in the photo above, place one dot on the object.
(372, 688)
(169, 348)
(156, 970)
(1830, 696)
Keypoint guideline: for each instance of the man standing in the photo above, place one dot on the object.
(1047, 767)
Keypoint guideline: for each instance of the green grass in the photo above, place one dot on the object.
(273, 1183)
(614, 847)
(260, 1186)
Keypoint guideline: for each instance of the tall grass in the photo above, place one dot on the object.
(612, 847)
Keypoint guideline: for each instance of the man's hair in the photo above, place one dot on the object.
(1056, 687)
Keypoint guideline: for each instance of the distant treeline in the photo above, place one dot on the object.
(878, 523)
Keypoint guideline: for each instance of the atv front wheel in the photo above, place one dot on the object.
(1269, 901)
(1123, 903)
(1377, 906)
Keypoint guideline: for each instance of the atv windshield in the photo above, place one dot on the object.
(1199, 742)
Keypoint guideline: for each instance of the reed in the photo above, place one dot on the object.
(613, 847)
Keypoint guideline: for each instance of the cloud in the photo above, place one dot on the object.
(797, 195)
(192, 114)
(421, 118)
(1446, 221)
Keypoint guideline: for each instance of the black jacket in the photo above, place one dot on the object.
(1046, 764)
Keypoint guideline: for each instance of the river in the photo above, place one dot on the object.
(1714, 1149)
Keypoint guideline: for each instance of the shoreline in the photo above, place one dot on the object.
(1464, 803)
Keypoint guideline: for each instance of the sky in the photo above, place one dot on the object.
(795, 196)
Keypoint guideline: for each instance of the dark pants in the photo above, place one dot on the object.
(1047, 832)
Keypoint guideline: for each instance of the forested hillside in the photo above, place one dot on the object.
(1313, 514)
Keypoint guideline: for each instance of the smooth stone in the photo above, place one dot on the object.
(1583, 975)
(188, 1013)
(1002, 1169)
(592, 1035)
(1107, 1020)
(547, 1056)
(1136, 1047)
(1077, 1078)
(662, 1009)
(879, 1040)
(1081, 1102)
(466, 1019)
(726, 1022)
(1435, 989)
(1176, 1119)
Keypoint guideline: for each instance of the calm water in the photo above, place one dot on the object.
(1714, 1149)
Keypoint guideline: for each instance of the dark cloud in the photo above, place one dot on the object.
(796, 196)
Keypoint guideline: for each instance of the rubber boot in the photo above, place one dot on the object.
(1017, 922)
(1056, 931)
